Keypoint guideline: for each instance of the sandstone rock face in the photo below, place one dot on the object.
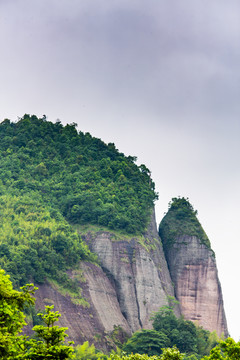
(104, 299)
(194, 272)
(131, 283)
(87, 323)
(139, 273)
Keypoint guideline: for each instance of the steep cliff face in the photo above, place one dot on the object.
(138, 271)
(194, 273)
(131, 283)
(193, 269)
(94, 322)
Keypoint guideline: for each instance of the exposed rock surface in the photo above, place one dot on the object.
(194, 272)
(91, 323)
(131, 283)
(139, 273)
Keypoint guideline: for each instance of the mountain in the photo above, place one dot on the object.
(78, 220)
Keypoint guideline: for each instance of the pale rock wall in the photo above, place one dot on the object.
(90, 323)
(131, 283)
(194, 272)
(139, 274)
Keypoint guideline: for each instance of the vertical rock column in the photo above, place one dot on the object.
(193, 268)
(194, 273)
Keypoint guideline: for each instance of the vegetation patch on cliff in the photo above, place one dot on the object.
(181, 219)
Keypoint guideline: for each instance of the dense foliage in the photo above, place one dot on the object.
(181, 219)
(87, 180)
(171, 331)
(225, 350)
(147, 342)
(12, 303)
(49, 341)
(184, 334)
(53, 177)
(36, 242)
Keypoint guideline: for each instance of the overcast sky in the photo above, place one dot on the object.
(159, 78)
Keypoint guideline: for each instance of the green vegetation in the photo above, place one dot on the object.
(147, 342)
(168, 354)
(171, 331)
(54, 180)
(85, 179)
(181, 219)
(37, 243)
(225, 350)
(49, 341)
(87, 352)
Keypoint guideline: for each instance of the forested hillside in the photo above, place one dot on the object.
(52, 177)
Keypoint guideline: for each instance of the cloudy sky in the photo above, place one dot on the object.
(159, 78)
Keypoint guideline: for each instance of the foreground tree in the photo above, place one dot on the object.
(50, 338)
(226, 350)
(148, 342)
(171, 354)
(12, 317)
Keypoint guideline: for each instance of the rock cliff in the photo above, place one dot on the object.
(93, 322)
(131, 283)
(134, 279)
(194, 273)
(138, 271)
(193, 269)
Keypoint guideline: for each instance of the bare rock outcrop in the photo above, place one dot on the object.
(193, 268)
(131, 283)
(138, 271)
(194, 272)
(94, 322)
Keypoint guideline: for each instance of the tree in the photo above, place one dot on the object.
(12, 317)
(50, 339)
(148, 342)
(133, 357)
(225, 350)
(184, 334)
(171, 354)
